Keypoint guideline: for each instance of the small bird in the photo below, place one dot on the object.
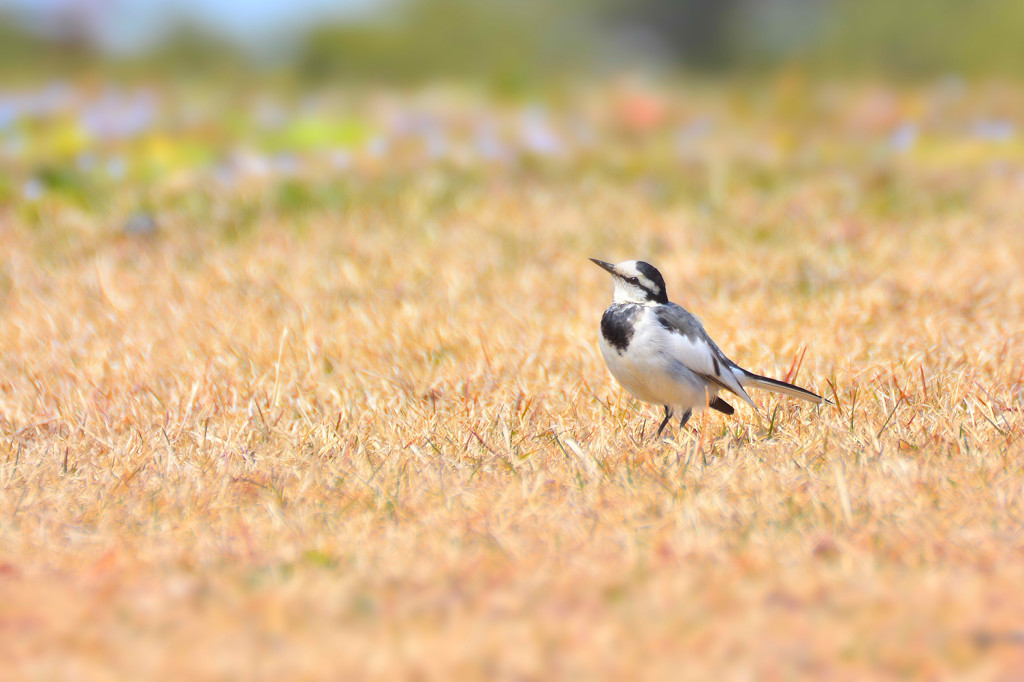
(659, 351)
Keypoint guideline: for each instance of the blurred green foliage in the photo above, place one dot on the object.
(920, 38)
(508, 44)
(512, 44)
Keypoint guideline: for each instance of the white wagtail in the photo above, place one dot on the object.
(661, 354)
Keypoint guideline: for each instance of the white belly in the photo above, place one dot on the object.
(648, 371)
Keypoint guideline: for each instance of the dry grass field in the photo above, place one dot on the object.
(379, 441)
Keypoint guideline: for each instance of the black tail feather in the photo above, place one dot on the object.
(782, 387)
(720, 405)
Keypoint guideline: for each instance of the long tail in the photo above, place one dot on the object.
(775, 386)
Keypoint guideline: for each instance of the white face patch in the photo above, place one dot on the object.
(626, 292)
(632, 286)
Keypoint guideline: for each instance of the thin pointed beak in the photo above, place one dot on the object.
(601, 264)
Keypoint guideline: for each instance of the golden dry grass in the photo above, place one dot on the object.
(385, 446)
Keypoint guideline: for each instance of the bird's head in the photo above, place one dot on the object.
(635, 282)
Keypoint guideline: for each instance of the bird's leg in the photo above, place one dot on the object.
(668, 415)
(685, 418)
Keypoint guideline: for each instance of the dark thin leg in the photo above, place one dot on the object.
(686, 418)
(668, 415)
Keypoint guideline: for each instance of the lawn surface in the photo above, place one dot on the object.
(356, 425)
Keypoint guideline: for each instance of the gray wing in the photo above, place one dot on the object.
(690, 344)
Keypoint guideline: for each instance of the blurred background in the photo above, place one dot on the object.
(688, 98)
(513, 45)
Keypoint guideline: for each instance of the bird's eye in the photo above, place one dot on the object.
(633, 280)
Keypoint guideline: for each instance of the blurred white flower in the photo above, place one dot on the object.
(117, 167)
(488, 145)
(904, 137)
(378, 146)
(341, 159)
(538, 136)
(32, 190)
(993, 130)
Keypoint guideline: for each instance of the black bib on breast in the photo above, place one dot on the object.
(617, 324)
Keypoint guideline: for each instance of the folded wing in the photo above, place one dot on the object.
(690, 345)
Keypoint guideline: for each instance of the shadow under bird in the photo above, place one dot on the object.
(660, 353)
